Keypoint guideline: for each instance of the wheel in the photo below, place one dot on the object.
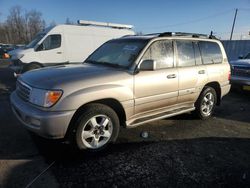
(205, 104)
(31, 66)
(96, 127)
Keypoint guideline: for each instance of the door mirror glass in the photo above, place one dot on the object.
(147, 65)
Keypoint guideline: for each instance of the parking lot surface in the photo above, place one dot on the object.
(179, 152)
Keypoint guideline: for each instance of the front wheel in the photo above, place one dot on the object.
(206, 103)
(96, 127)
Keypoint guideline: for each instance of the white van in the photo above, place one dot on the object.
(63, 44)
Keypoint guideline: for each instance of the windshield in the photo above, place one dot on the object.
(34, 42)
(118, 53)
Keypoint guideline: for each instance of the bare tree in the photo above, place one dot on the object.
(21, 26)
(35, 23)
(15, 23)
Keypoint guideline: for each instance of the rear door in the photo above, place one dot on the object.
(192, 74)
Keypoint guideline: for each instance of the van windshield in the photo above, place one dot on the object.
(117, 53)
(34, 42)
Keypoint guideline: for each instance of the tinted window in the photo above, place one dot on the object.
(197, 54)
(162, 53)
(185, 53)
(210, 52)
(52, 42)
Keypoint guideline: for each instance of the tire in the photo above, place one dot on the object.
(97, 126)
(205, 104)
(31, 66)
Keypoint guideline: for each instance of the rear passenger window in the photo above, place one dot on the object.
(162, 53)
(210, 52)
(186, 56)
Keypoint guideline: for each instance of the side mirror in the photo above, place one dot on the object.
(240, 56)
(40, 47)
(147, 65)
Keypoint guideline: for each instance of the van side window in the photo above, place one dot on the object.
(52, 42)
(210, 52)
(162, 53)
(197, 54)
(186, 56)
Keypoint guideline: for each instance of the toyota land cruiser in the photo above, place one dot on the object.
(125, 82)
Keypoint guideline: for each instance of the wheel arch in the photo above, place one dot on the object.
(112, 103)
(217, 88)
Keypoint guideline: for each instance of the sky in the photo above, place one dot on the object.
(152, 16)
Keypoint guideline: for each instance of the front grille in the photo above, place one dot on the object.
(241, 71)
(23, 90)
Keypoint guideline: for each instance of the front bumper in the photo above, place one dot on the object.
(47, 124)
(240, 80)
(16, 65)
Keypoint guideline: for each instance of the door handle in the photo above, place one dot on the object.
(59, 52)
(201, 72)
(170, 76)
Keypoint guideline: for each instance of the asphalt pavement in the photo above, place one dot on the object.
(179, 152)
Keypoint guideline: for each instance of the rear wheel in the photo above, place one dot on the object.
(96, 127)
(206, 103)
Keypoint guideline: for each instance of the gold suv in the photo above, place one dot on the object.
(127, 81)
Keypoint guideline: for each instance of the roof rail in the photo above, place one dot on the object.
(105, 24)
(194, 35)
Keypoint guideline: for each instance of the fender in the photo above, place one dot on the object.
(75, 100)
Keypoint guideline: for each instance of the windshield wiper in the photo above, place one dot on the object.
(110, 64)
(103, 63)
(91, 62)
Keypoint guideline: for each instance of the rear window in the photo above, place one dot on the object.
(210, 52)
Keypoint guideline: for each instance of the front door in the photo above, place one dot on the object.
(157, 88)
(51, 50)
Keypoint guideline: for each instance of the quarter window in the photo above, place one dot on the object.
(186, 56)
(210, 52)
(162, 53)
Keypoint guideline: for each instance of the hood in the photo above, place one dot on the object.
(241, 62)
(15, 54)
(60, 77)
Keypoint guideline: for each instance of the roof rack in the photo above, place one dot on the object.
(194, 35)
(105, 24)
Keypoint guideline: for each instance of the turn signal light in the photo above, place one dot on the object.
(52, 97)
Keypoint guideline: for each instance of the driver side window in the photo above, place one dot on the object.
(162, 53)
(51, 42)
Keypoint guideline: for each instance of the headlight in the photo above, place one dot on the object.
(45, 98)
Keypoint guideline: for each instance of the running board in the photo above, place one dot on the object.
(160, 116)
